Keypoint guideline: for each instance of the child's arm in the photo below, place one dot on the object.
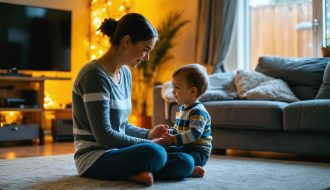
(198, 120)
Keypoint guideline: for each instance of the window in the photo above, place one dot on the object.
(290, 28)
(280, 28)
(326, 29)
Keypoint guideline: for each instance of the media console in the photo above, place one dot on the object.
(19, 132)
(33, 113)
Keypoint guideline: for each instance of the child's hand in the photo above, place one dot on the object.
(158, 131)
(168, 139)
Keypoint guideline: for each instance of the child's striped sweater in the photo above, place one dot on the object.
(192, 128)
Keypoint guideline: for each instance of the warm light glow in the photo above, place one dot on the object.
(121, 8)
(133, 119)
(10, 155)
(10, 118)
(97, 22)
(99, 10)
(49, 102)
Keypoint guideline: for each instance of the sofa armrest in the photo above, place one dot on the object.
(158, 106)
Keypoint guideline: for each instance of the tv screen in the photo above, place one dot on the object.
(34, 38)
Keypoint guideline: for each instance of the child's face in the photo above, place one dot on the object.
(184, 94)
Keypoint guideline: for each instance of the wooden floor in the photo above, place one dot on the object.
(10, 151)
(66, 147)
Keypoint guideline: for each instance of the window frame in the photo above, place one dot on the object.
(242, 34)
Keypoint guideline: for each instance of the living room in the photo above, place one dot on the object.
(257, 134)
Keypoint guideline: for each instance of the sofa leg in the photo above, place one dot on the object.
(220, 151)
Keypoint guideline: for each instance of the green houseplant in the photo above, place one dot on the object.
(167, 31)
(145, 76)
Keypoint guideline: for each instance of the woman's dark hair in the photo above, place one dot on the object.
(133, 24)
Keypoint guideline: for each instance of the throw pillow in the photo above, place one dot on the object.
(275, 89)
(221, 87)
(252, 85)
(324, 91)
(247, 80)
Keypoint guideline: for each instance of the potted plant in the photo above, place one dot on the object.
(145, 77)
(326, 48)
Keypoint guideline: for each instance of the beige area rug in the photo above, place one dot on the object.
(222, 172)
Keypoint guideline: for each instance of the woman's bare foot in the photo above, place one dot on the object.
(145, 178)
(198, 172)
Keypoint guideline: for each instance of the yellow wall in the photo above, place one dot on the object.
(184, 45)
(156, 11)
(60, 91)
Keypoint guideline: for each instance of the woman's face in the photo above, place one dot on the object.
(140, 51)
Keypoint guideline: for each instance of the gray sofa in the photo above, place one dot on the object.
(300, 127)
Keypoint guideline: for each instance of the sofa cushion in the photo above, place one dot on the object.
(246, 114)
(309, 115)
(324, 91)
(303, 75)
(252, 85)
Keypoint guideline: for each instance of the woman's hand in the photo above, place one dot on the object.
(168, 139)
(160, 141)
(158, 131)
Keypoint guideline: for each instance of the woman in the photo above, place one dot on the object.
(106, 145)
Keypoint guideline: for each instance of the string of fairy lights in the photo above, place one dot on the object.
(99, 10)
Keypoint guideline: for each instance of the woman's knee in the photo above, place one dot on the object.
(156, 154)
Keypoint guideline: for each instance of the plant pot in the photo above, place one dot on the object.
(325, 52)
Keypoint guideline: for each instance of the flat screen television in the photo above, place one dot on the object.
(34, 38)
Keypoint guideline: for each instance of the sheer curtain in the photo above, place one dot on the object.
(215, 25)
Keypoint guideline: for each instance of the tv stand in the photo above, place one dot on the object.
(14, 72)
(34, 121)
(32, 124)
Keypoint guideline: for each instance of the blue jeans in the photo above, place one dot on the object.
(128, 161)
(200, 157)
